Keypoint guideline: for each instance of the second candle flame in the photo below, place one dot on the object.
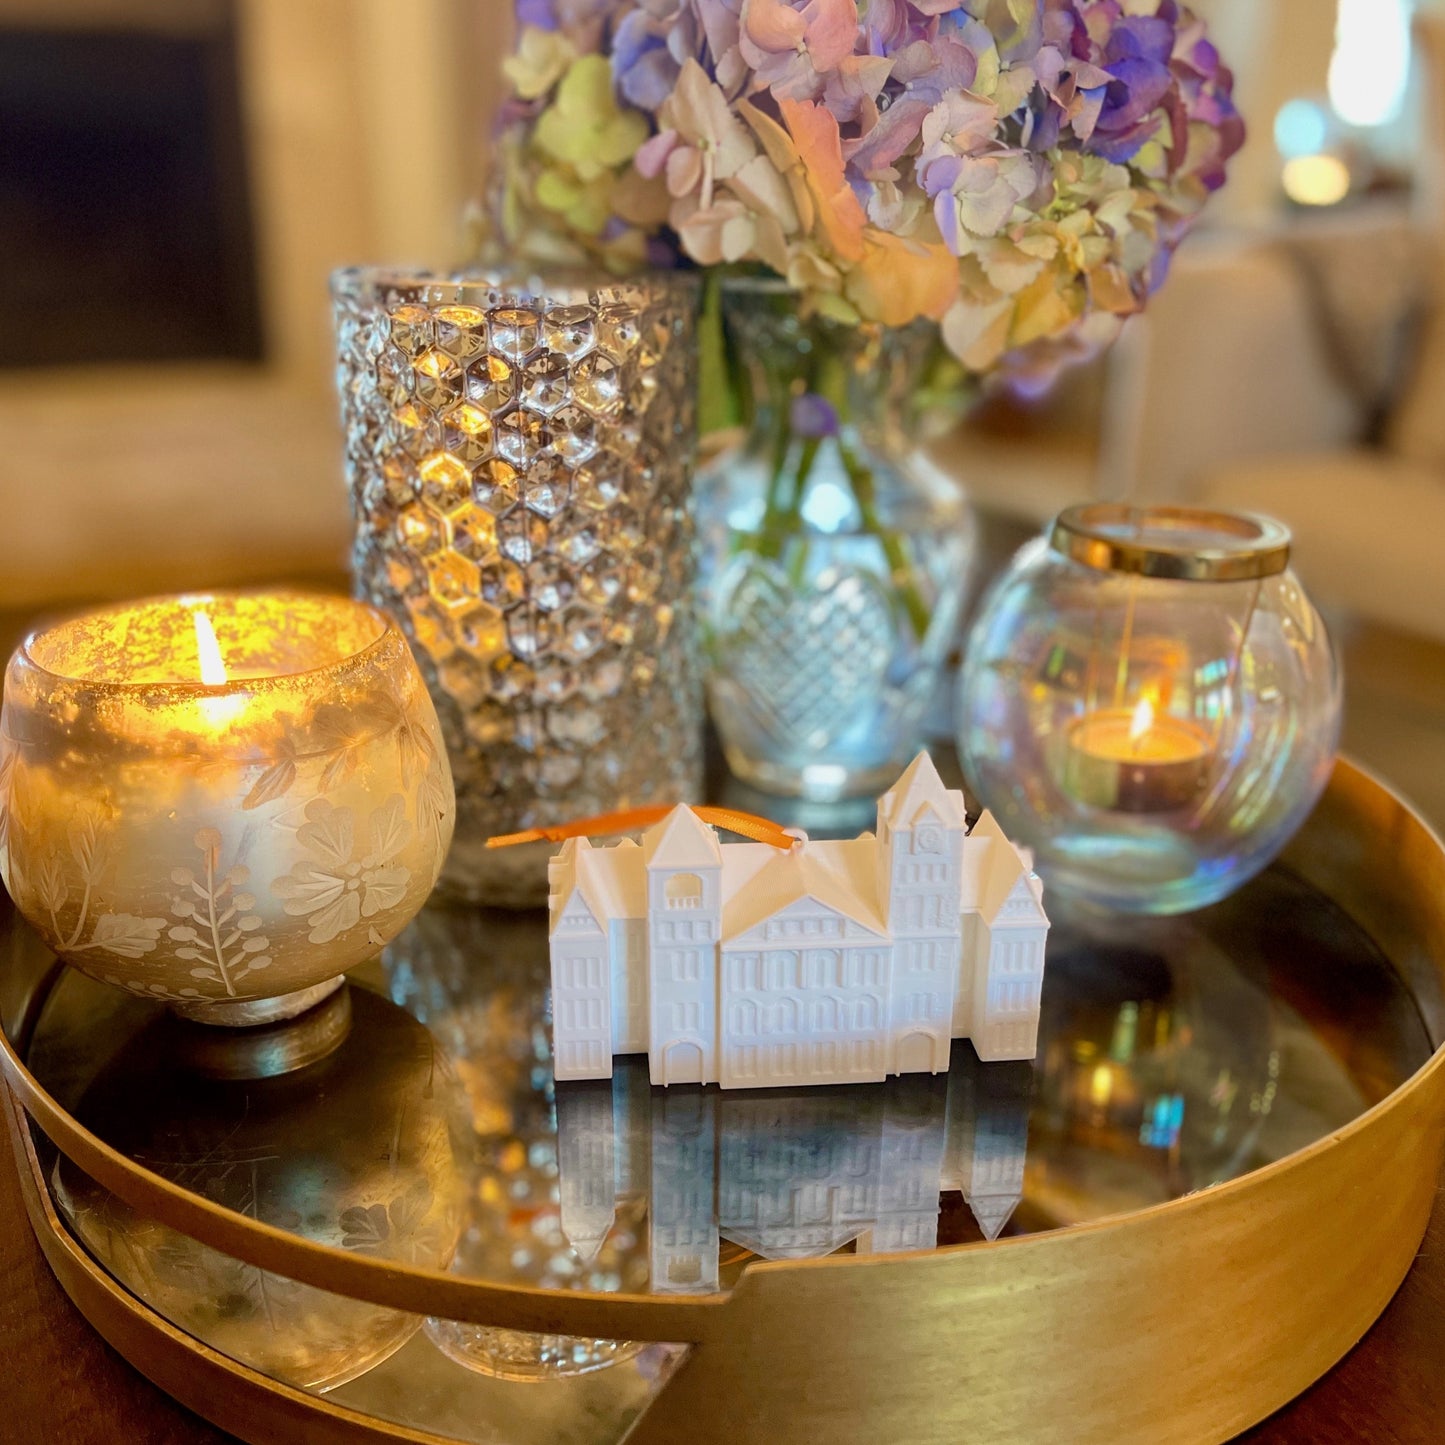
(1143, 722)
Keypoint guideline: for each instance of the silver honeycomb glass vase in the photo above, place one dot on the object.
(519, 452)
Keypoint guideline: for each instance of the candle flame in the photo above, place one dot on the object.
(213, 666)
(1143, 723)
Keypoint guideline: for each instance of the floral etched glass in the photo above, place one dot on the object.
(835, 557)
(231, 847)
(519, 453)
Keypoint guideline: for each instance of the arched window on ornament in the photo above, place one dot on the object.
(683, 890)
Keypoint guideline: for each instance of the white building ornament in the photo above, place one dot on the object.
(836, 963)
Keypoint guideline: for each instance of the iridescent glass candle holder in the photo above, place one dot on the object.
(224, 802)
(1151, 702)
(519, 450)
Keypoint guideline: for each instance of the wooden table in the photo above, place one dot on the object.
(60, 1384)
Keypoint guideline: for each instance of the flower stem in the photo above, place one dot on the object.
(833, 386)
(771, 536)
(827, 375)
(895, 545)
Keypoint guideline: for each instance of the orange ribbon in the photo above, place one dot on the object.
(745, 825)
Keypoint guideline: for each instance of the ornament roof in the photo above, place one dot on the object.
(1006, 868)
(564, 880)
(918, 791)
(615, 879)
(587, 1228)
(681, 840)
(825, 874)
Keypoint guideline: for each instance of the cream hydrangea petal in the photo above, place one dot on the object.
(541, 59)
(977, 334)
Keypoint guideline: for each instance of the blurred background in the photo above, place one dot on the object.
(178, 178)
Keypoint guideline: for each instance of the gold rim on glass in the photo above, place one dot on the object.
(1180, 544)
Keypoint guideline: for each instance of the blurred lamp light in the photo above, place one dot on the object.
(1301, 128)
(1316, 180)
(1371, 66)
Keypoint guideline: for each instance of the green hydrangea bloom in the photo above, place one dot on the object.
(584, 127)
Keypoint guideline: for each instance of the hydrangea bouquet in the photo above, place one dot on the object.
(1018, 171)
(995, 184)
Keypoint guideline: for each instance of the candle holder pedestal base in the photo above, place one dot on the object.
(249, 1013)
(264, 1051)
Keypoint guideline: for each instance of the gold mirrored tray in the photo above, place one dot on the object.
(386, 1222)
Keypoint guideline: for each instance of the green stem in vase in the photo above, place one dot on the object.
(783, 511)
(718, 384)
(895, 546)
(798, 568)
(826, 375)
(773, 533)
(833, 388)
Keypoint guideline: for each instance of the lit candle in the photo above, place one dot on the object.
(221, 802)
(1136, 761)
(218, 711)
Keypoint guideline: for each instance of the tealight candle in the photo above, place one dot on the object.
(1151, 703)
(223, 802)
(1136, 761)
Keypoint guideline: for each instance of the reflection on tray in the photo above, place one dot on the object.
(354, 1151)
(789, 1175)
(611, 1185)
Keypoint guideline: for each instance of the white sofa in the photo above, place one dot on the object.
(1254, 379)
(1236, 402)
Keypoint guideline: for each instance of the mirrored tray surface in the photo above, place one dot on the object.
(1174, 1054)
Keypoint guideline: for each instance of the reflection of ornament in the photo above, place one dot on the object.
(354, 1151)
(789, 1174)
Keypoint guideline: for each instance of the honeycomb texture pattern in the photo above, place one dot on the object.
(519, 456)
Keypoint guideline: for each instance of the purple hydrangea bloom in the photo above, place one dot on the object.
(1137, 58)
(862, 147)
(563, 14)
(644, 67)
(894, 25)
(813, 417)
(922, 76)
